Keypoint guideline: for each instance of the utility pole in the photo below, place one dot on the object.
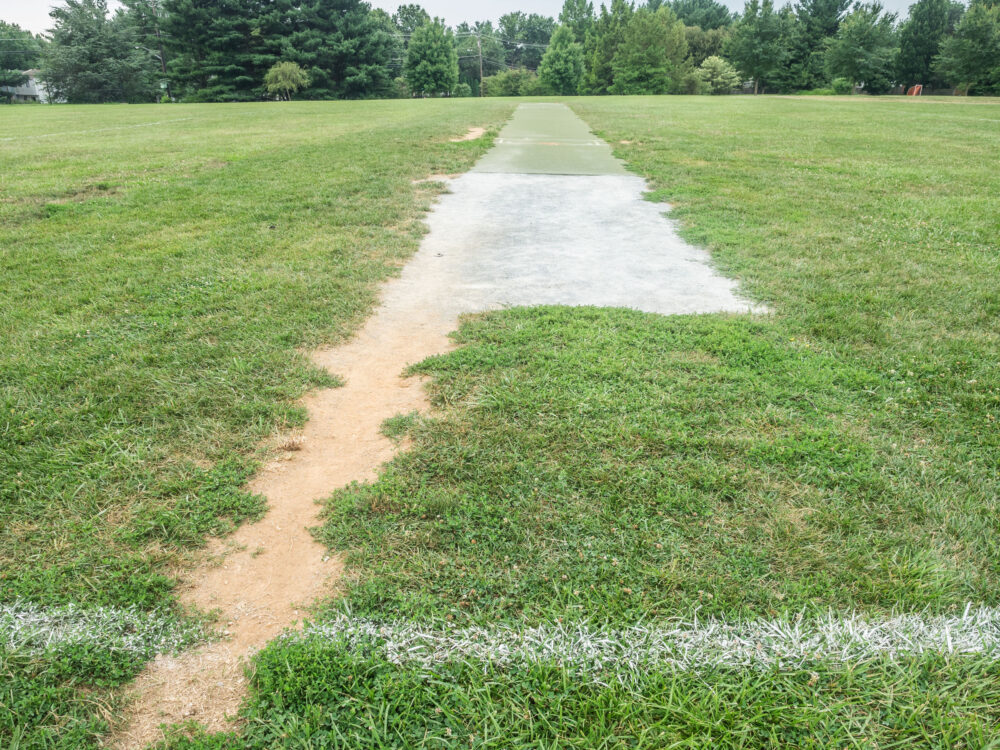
(479, 43)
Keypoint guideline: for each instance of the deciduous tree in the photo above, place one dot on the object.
(20, 50)
(561, 68)
(431, 60)
(285, 78)
(864, 49)
(756, 45)
(971, 58)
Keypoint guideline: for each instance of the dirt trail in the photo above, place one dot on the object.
(263, 574)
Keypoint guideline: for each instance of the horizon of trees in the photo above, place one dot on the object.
(224, 50)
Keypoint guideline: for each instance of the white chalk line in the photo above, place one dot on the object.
(96, 130)
(588, 651)
(34, 630)
(688, 645)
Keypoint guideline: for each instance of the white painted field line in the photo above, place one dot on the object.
(31, 629)
(588, 651)
(96, 130)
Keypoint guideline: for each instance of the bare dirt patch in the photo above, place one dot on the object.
(261, 578)
(472, 135)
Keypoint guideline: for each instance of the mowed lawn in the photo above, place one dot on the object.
(163, 270)
(587, 471)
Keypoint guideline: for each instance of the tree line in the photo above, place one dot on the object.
(247, 50)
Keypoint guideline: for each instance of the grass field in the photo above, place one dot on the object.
(587, 471)
(163, 269)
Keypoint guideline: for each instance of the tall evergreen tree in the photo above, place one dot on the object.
(705, 14)
(971, 58)
(221, 49)
(431, 60)
(864, 49)
(757, 46)
(345, 48)
(602, 44)
(93, 58)
(561, 69)
(920, 41)
(650, 58)
(578, 15)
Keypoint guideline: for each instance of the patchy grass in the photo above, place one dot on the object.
(164, 269)
(607, 467)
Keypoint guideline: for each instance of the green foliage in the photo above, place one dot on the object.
(93, 58)
(705, 14)
(525, 36)
(462, 90)
(719, 76)
(842, 86)
(285, 78)
(704, 44)
(519, 82)
(602, 44)
(817, 22)
(410, 17)
(971, 58)
(650, 58)
(578, 15)
(20, 51)
(757, 43)
(431, 60)
(562, 66)
(920, 39)
(221, 49)
(468, 39)
(347, 49)
(865, 48)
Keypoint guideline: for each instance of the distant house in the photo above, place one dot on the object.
(31, 90)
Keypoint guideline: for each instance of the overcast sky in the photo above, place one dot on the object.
(34, 14)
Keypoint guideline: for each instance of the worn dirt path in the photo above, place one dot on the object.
(547, 216)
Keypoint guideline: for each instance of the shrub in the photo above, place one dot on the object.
(842, 86)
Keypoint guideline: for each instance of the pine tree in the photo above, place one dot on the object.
(561, 69)
(705, 14)
(345, 47)
(818, 22)
(223, 48)
(431, 60)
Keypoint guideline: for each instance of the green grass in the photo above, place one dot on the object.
(584, 465)
(612, 467)
(164, 268)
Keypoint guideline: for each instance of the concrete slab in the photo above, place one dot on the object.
(549, 216)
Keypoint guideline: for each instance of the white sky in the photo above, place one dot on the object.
(34, 14)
